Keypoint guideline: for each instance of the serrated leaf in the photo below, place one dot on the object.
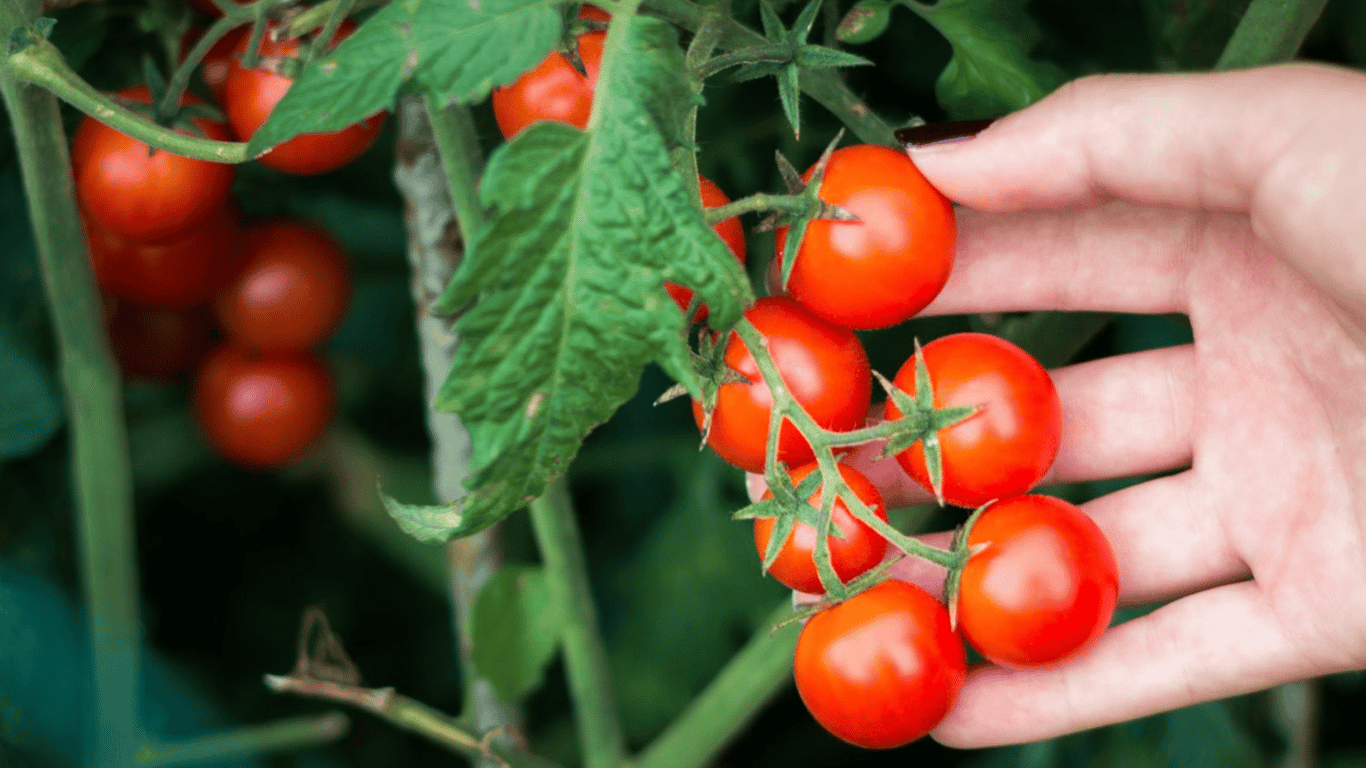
(426, 522)
(516, 628)
(990, 72)
(30, 411)
(567, 276)
(451, 50)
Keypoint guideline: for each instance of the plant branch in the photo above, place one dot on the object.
(756, 203)
(293, 733)
(1270, 31)
(458, 147)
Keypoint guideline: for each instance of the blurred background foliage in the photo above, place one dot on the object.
(230, 558)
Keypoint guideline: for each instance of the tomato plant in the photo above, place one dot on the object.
(250, 95)
(215, 64)
(176, 274)
(157, 344)
(882, 668)
(890, 263)
(1043, 585)
(554, 90)
(854, 547)
(1007, 446)
(823, 365)
(263, 409)
(292, 291)
(142, 194)
(729, 230)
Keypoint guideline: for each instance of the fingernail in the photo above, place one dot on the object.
(934, 134)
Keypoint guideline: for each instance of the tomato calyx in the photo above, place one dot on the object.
(812, 208)
(959, 545)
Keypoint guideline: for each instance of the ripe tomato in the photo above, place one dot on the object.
(554, 90)
(292, 292)
(729, 230)
(884, 268)
(250, 95)
(262, 410)
(860, 548)
(1044, 586)
(141, 194)
(1008, 445)
(824, 367)
(173, 275)
(882, 668)
(157, 344)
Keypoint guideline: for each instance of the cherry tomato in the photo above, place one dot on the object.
(729, 230)
(824, 367)
(263, 409)
(554, 90)
(292, 292)
(141, 194)
(892, 262)
(1043, 586)
(882, 668)
(860, 548)
(1008, 445)
(177, 274)
(593, 12)
(250, 95)
(157, 344)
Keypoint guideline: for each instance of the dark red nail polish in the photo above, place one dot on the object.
(941, 133)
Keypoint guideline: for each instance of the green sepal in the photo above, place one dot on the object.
(783, 525)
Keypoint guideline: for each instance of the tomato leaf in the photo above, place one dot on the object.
(990, 72)
(449, 50)
(516, 630)
(566, 281)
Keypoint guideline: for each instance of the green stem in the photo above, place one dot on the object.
(557, 536)
(42, 64)
(294, 733)
(755, 55)
(180, 79)
(104, 497)
(320, 43)
(756, 203)
(1270, 31)
(458, 146)
(749, 680)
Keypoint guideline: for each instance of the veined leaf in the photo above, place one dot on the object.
(566, 280)
(451, 50)
(516, 627)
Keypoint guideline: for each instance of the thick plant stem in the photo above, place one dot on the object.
(751, 678)
(557, 535)
(104, 498)
(1270, 31)
(458, 146)
(434, 249)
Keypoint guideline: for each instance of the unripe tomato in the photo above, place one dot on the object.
(263, 409)
(882, 668)
(853, 550)
(180, 273)
(250, 95)
(892, 262)
(824, 367)
(1043, 585)
(554, 90)
(291, 293)
(146, 195)
(729, 230)
(1007, 446)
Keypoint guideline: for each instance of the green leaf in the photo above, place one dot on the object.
(566, 278)
(990, 72)
(30, 411)
(1190, 34)
(449, 50)
(865, 22)
(516, 629)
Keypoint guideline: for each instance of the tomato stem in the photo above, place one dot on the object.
(458, 146)
(287, 734)
(795, 204)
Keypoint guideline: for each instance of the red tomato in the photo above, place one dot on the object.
(173, 275)
(554, 90)
(729, 230)
(263, 410)
(1043, 587)
(860, 548)
(593, 12)
(157, 344)
(250, 95)
(824, 367)
(141, 194)
(292, 292)
(1008, 445)
(882, 668)
(887, 266)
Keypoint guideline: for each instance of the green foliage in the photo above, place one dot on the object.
(1190, 34)
(30, 411)
(448, 50)
(516, 630)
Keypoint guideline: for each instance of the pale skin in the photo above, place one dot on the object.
(1238, 200)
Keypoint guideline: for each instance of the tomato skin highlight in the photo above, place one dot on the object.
(729, 230)
(554, 90)
(142, 195)
(892, 262)
(173, 275)
(860, 549)
(882, 668)
(263, 410)
(1042, 588)
(1005, 448)
(824, 366)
